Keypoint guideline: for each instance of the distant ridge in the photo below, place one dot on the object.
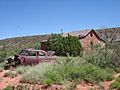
(19, 41)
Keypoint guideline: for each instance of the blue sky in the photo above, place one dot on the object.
(34, 17)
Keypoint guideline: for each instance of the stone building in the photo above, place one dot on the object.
(87, 38)
(92, 37)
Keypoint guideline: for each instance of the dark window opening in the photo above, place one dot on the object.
(91, 34)
(91, 43)
(32, 53)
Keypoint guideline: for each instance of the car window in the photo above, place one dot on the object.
(31, 53)
(42, 55)
(24, 52)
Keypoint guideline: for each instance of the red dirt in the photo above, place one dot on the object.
(106, 84)
(5, 81)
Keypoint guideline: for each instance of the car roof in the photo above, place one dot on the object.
(35, 50)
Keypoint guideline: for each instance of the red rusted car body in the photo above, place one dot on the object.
(29, 57)
(33, 56)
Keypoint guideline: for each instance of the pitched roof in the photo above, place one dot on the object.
(77, 33)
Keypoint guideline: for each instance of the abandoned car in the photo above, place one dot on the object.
(29, 57)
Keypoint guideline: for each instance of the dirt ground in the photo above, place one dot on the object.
(6, 81)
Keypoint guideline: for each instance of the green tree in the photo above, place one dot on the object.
(63, 45)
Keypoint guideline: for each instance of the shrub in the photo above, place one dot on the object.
(8, 88)
(115, 56)
(48, 81)
(63, 45)
(68, 70)
(1, 67)
(22, 69)
(3, 56)
(10, 74)
(36, 73)
(100, 57)
(116, 84)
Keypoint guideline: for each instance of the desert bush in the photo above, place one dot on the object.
(117, 70)
(65, 69)
(69, 70)
(10, 74)
(22, 69)
(116, 84)
(36, 73)
(101, 57)
(8, 88)
(3, 56)
(115, 56)
(1, 67)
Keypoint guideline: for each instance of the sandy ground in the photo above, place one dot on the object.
(5, 81)
(103, 86)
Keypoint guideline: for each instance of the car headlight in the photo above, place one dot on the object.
(6, 61)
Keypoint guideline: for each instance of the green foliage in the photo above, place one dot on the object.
(103, 57)
(1, 67)
(48, 81)
(3, 56)
(35, 73)
(22, 69)
(115, 84)
(65, 69)
(69, 70)
(10, 74)
(115, 56)
(63, 45)
(8, 88)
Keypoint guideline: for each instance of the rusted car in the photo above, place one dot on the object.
(29, 57)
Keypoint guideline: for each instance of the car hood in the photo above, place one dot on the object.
(50, 53)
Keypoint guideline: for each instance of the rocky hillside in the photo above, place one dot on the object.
(22, 41)
(109, 34)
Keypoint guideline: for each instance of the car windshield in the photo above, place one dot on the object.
(24, 52)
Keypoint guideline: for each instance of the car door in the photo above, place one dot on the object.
(31, 58)
(43, 56)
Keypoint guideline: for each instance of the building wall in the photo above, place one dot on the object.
(43, 46)
(90, 40)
